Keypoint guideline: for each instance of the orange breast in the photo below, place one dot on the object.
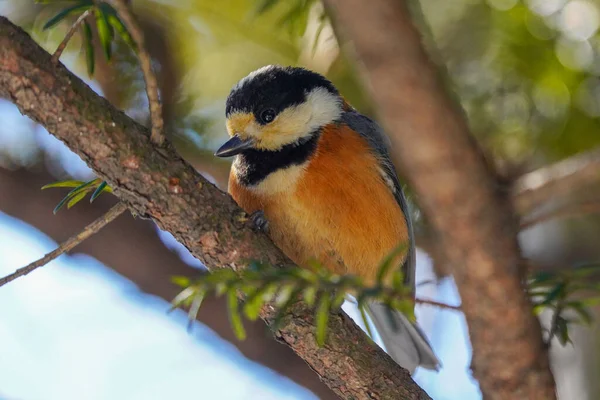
(340, 212)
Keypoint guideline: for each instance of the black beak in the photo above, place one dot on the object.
(234, 146)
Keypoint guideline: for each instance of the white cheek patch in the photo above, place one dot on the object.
(325, 107)
(320, 108)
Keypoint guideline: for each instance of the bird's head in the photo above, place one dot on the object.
(277, 106)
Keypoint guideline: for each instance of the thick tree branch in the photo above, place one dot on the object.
(158, 184)
(458, 193)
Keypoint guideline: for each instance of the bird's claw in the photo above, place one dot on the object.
(259, 221)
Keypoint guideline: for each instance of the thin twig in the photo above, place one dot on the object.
(427, 282)
(61, 47)
(438, 304)
(137, 34)
(592, 207)
(73, 241)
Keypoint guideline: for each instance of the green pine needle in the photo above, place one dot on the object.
(322, 318)
(76, 9)
(234, 315)
(81, 189)
(317, 287)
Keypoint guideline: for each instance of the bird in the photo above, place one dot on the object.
(317, 176)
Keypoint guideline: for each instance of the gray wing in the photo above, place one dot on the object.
(403, 340)
(380, 144)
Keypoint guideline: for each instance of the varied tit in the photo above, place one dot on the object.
(320, 175)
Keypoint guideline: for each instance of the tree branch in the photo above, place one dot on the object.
(437, 304)
(69, 244)
(457, 192)
(570, 210)
(556, 180)
(137, 35)
(156, 183)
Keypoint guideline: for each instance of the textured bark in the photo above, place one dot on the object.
(457, 191)
(132, 248)
(158, 184)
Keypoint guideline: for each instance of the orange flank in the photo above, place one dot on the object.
(338, 211)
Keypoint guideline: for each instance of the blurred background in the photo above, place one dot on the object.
(94, 324)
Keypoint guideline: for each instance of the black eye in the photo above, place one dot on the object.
(267, 115)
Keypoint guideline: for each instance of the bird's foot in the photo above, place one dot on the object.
(259, 221)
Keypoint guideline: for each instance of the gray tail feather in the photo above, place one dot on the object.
(404, 341)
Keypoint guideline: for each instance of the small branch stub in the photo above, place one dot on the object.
(438, 304)
(61, 47)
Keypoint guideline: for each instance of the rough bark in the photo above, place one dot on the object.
(458, 193)
(158, 184)
(132, 248)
